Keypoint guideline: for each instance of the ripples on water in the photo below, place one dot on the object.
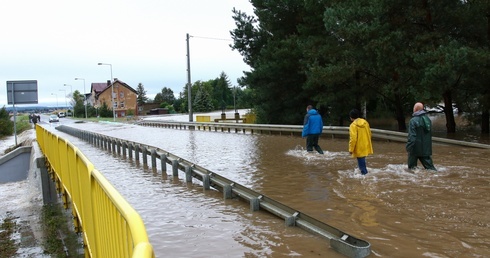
(401, 213)
(184, 220)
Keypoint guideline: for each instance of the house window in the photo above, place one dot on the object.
(121, 94)
(122, 104)
(115, 104)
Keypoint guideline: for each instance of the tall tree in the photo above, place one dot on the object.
(141, 97)
(202, 100)
(222, 94)
(270, 48)
(165, 96)
(78, 104)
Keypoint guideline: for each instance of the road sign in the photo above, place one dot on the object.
(22, 92)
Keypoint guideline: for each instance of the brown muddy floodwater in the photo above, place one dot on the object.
(401, 213)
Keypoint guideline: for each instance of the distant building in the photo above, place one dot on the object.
(125, 97)
(146, 107)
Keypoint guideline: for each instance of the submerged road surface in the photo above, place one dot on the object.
(401, 213)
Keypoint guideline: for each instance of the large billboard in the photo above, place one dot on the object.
(22, 92)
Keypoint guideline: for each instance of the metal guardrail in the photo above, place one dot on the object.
(110, 226)
(339, 240)
(296, 130)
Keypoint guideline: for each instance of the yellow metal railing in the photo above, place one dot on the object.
(110, 226)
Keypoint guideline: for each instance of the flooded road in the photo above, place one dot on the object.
(401, 213)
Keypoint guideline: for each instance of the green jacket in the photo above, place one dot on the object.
(419, 141)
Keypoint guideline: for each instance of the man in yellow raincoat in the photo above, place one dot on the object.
(360, 139)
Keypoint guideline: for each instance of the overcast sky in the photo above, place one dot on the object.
(55, 41)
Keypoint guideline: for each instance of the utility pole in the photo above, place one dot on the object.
(189, 86)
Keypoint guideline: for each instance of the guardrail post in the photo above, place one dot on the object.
(113, 143)
(188, 174)
(175, 168)
(144, 151)
(206, 182)
(291, 220)
(227, 194)
(254, 204)
(130, 150)
(118, 147)
(163, 161)
(154, 158)
(137, 152)
(124, 146)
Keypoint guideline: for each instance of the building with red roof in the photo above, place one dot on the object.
(124, 98)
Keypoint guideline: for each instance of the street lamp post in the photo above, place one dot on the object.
(71, 94)
(56, 100)
(66, 104)
(112, 92)
(84, 96)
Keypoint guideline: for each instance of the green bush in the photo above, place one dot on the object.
(6, 125)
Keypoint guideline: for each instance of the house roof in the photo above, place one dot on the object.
(100, 87)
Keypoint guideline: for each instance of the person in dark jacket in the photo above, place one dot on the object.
(419, 143)
(312, 129)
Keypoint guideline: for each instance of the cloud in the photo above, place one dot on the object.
(145, 41)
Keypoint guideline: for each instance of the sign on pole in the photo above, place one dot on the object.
(21, 92)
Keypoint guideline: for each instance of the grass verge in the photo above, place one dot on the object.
(60, 239)
(8, 246)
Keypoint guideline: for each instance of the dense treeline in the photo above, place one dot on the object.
(383, 55)
(214, 94)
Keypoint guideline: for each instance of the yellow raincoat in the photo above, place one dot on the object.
(360, 138)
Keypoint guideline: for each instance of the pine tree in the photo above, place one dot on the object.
(141, 94)
(6, 125)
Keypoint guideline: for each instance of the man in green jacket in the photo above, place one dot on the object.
(419, 143)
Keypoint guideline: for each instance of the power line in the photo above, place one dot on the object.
(199, 37)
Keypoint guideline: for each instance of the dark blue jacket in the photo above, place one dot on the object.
(313, 123)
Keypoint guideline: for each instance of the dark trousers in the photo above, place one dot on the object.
(426, 162)
(312, 142)
(361, 162)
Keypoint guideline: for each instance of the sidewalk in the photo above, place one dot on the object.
(22, 201)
